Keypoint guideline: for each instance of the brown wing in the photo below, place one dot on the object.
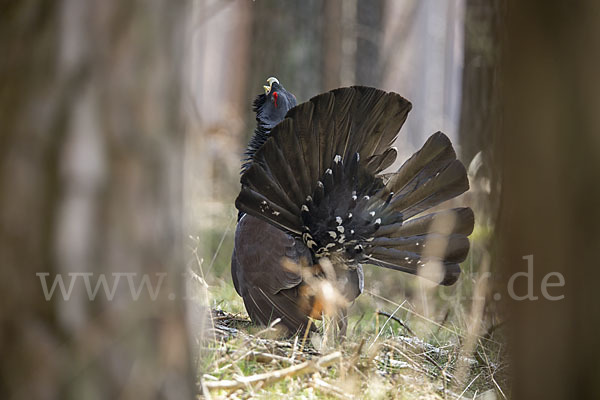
(269, 290)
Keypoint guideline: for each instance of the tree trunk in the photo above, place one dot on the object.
(286, 36)
(332, 37)
(480, 104)
(480, 84)
(369, 17)
(551, 168)
(90, 189)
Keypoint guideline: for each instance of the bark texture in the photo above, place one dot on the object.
(549, 208)
(90, 184)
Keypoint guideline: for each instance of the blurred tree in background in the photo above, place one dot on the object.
(549, 146)
(91, 182)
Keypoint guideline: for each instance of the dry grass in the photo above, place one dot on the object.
(374, 364)
(401, 355)
(406, 339)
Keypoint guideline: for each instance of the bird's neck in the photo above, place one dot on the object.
(260, 136)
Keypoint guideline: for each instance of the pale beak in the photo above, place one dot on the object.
(270, 80)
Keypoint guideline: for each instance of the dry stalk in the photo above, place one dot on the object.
(328, 388)
(268, 378)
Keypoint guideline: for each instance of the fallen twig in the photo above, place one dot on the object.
(398, 320)
(267, 378)
(328, 388)
(267, 358)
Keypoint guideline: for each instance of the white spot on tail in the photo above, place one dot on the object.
(340, 229)
(338, 220)
(337, 158)
(372, 213)
(276, 213)
(304, 207)
(378, 221)
(332, 234)
(329, 171)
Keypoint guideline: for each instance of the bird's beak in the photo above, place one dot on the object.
(271, 80)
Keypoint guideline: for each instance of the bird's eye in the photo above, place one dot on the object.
(275, 98)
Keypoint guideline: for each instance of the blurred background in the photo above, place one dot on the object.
(123, 126)
(441, 56)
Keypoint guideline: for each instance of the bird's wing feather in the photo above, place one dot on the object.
(269, 289)
(259, 251)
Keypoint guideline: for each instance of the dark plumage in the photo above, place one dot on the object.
(313, 180)
(270, 109)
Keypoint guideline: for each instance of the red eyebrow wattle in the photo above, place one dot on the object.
(275, 98)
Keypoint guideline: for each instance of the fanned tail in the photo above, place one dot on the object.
(318, 177)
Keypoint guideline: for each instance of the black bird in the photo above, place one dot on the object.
(314, 204)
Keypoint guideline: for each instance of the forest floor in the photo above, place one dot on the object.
(404, 340)
(381, 358)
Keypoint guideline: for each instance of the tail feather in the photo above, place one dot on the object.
(317, 178)
(284, 170)
(434, 156)
(250, 201)
(273, 187)
(441, 237)
(448, 247)
(444, 185)
(463, 218)
(323, 122)
(291, 148)
(379, 162)
(407, 262)
(308, 139)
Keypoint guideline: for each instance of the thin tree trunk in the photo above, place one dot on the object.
(480, 118)
(480, 83)
(90, 187)
(286, 36)
(332, 37)
(369, 17)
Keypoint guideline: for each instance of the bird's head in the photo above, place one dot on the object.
(272, 106)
